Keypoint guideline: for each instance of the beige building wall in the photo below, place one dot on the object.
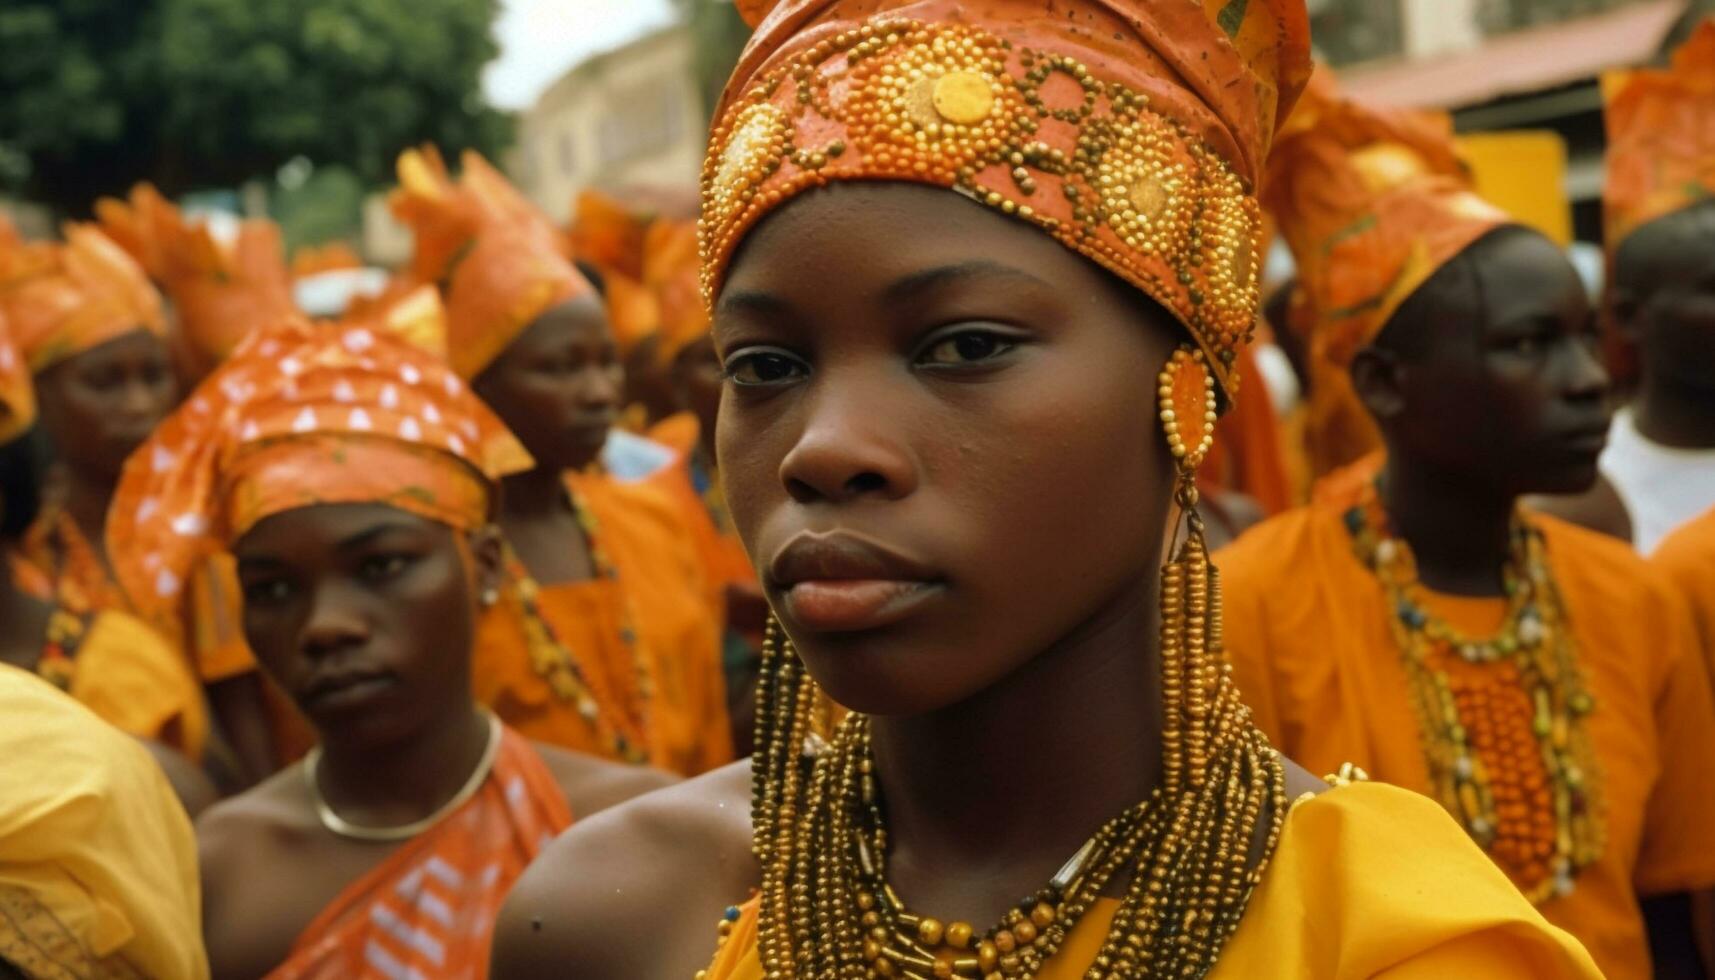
(629, 117)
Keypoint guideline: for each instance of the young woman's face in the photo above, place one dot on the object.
(937, 438)
(99, 406)
(363, 613)
(558, 386)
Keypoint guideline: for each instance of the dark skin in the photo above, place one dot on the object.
(913, 367)
(360, 591)
(1486, 387)
(647, 383)
(1664, 302)
(558, 388)
(97, 407)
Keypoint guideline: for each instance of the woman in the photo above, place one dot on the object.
(114, 664)
(933, 438)
(603, 639)
(352, 477)
(90, 327)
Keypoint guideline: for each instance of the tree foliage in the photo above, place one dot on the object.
(198, 93)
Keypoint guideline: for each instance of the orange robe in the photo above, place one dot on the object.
(1248, 456)
(1309, 633)
(59, 550)
(718, 548)
(1367, 882)
(128, 675)
(660, 593)
(1687, 557)
(429, 910)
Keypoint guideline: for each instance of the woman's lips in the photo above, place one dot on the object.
(854, 605)
(844, 582)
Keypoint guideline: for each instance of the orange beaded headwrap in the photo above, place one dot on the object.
(221, 291)
(303, 415)
(17, 395)
(61, 299)
(1372, 203)
(1133, 131)
(1661, 139)
(498, 261)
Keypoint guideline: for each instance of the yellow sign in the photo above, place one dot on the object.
(1523, 172)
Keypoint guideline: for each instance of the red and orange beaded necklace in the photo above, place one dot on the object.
(1502, 716)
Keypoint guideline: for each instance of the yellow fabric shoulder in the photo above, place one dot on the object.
(98, 874)
(139, 684)
(1369, 881)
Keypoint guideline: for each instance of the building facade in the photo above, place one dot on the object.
(631, 117)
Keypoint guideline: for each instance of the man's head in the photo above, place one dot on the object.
(1488, 373)
(1663, 298)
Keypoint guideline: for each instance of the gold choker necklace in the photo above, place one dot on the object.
(337, 824)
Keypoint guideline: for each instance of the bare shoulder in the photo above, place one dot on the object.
(248, 838)
(591, 785)
(636, 890)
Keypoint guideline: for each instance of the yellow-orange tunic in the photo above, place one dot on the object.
(429, 909)
(1688, 560)
(1309, 631)
(1368, 881)
(660, 594)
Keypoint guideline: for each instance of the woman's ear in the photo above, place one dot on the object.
(487, 563)
(1378, 378)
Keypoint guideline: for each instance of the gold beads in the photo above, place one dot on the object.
(1033, 134)
(1185, 392)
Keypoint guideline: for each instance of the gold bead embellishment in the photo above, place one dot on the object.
(1186, 391)
(1032, 134)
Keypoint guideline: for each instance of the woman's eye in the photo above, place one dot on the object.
(761, 368)
(383, 567)
(266, 591)
(966, 347)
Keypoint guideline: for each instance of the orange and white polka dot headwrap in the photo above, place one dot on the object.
(303, 414)
(1133, 131)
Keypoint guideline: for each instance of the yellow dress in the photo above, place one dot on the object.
(1367, 881)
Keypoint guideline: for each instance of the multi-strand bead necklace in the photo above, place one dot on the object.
(1503, 717)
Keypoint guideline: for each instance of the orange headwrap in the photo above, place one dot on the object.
(302, 415)
(1372, 203)
(1133, 131)
(671, 270)
(17, 395)
(220, 291)
(1661, 139)
(498, 261)
(314, 259)
(63, 299)
(607, 233)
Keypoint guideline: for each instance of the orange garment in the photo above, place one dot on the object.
(703, 511)
(76, 576)
(659, 594)
(1367, 882)
(312, 260)
(1372, 202)
(136, 682)
(671, 272)
(1661, 138)
(608, 234)
(1248, 456)
(221, 291)
(1309, 632)
(17, 394)
(1688, 560)
(429, 909)
(61, 299)
(498, 262)
(1160, 126)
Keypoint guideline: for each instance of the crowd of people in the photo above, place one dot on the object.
(945, 506)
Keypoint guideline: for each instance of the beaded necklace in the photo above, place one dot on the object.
(1503, 716)
(620, 717)
(81, 581)
(1188, 851)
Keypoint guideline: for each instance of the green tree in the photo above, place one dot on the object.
(199, 93)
